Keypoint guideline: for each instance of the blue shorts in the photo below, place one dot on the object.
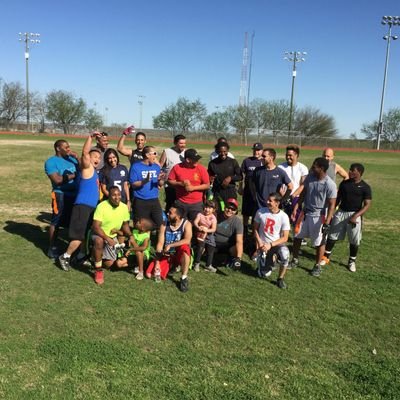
(61, 206)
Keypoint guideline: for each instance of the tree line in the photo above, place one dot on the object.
(67, 111)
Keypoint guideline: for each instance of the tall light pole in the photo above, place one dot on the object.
(28, 39)
(390, 21)
(294, 57)
(140, 102)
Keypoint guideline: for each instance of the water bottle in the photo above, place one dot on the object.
(157, 274)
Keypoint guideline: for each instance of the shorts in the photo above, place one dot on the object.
(282, 253)
(191, 210)
(81, 220)
(109, 253)
(61, 206)
(150, 209)
(340, 227)
(167, 262)
(223, 247)
(311, 228)
(249, 204)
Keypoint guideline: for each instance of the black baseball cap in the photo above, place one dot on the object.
(192, 154)
(257, 146)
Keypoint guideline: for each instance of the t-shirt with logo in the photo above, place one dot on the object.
(140, 171)
(271, 224)
(115, 177)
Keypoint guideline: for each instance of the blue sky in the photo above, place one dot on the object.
(111, 52)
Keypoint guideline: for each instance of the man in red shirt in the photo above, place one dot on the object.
(190, 181)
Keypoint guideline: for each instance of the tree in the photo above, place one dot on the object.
(181, 117)
(216, 122)
(38, 110)
(311, 123)
(64, 109)
(240, 118)
(93, 119)
(12, 102)
(391, 129)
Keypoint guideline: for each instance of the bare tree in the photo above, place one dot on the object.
(12, 102)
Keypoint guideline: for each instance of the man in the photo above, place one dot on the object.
(85, 203)
(271, 231)
(146, 180)
(318, 196)
(111, 216)
(246, 186)
(62, 170)
(190, 180)
(168, 159)
(229, 233)
(269, 178)
(354, 199)
(173, 247)
(101, 145)
(224, 173)
(134, 155)
(334, 168)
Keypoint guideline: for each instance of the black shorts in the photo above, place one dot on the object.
(191, 210)
(61, 206)
(249, 205)
(81, 220)
(150, 209)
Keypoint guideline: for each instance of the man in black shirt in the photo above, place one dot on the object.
(134, 155)
(354, 199)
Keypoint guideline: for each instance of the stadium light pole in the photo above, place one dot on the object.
(390, 21)
(140, 102)
(293, 57)
(28, 38)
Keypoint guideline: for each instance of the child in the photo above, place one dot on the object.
(206, 224)
(141, 236)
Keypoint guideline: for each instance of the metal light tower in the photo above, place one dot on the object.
(243, 76)
(29, 39)
(140, 102)
(294, 57)
(390, 21)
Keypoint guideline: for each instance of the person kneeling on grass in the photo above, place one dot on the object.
(110, 216)
(206, 225)
(141, 247)
(173, 247)
(271, 229)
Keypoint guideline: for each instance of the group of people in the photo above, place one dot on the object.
(97, 197)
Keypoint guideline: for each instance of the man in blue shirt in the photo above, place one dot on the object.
(62, 170)
(146, 179)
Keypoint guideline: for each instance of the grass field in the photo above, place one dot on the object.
(232, 336)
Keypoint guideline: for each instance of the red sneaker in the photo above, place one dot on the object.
(324, 261)
(99, 276)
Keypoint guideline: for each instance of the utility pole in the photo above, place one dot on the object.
(140, 102)
(294, 57)
(28, 39)
(386, 20)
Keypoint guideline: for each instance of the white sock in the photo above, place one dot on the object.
(184, 276)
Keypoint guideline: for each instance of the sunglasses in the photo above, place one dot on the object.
(154, 153)
(231, 208)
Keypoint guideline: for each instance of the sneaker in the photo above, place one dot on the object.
(325, 261)
(264, 273)
(52, 253)
(139, 276)
(303, 242)
(184, 285)
(196, 267)
(99, 276)
(210, 268)
(294, 263)
(352, 266)
(178, 268)
(281, 284)
(136, 270)
(64, 262)
(316, 271)
(82, 262)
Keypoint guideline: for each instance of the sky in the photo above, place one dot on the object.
(111, 52)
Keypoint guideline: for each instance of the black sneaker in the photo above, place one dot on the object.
(281, 284)
(64, 263)
(184, 285)
(316, 271)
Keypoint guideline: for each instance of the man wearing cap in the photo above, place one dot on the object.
(190, 180)
(229, 233)
(246, 187)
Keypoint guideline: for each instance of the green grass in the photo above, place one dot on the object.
(232, 336)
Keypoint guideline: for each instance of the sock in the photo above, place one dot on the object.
(98, 264)
(184, 277)
(327, 254)
(66, 255)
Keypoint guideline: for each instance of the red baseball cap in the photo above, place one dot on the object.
(232, 202)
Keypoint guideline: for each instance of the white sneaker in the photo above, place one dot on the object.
(139, 276)
(352, 266)
(210, 268)
(196, 267)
